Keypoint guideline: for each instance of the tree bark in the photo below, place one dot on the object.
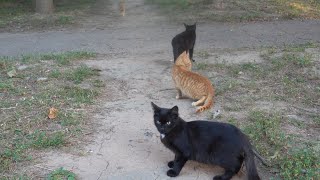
(44, 6)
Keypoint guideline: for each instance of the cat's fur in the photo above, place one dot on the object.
(184, 41)
(191, 84)
(214, 143)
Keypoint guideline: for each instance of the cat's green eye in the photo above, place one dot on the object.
(158, 122)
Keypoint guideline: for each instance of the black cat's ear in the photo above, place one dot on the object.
(175, 110)
(154, 107)
(185, 25)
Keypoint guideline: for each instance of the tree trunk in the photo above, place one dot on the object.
(44, 6)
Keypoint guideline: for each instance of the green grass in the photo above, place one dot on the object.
(171, 3)
(21, 14)
(80, 73)
(64, 58)
(25, 104)
(60, 174)
(238, 10)
(274, 103)
(298, 162)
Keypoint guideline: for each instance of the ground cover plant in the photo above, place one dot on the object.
(20, 15)
(238, 10)
(276, 103)
(30, 86)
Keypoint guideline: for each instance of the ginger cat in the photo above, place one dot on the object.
(191, 84)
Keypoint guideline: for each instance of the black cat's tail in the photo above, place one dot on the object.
(252, 172)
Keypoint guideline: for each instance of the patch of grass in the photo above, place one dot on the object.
(201, 66)
(64, 20)
(300, 164)
(299, 47)
(98, 83)
(45, 140)
(25, 101)
(55, 74)
(293, 163)
(259, 97)
(171, 3)
(21, 14)
(66, 57)
(60, 174)
(78, 95)
(80, 73)
(203, 54)
(267, 127)
(238, 11)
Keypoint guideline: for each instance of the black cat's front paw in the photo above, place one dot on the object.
(172, 173)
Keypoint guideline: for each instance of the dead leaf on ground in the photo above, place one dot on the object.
(53, 112)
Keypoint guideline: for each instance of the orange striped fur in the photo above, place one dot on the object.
(192, 84)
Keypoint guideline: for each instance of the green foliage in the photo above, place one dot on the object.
(45, 140)
(172, 3)
(300, 164)
(78, 95)
(61, 174)
(26, 102)
(80, 73)
(297, 163)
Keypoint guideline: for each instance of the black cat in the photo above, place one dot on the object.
(184, 42)
(203, 141)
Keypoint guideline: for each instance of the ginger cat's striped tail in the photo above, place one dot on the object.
(207, 104)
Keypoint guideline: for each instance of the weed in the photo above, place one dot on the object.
(78, 95)
(55, 74)
(171, 3)
(81, 73)
(203, 54)
(60, 174)
(63, 20)
(66, 57)
(201, 66)
(300, 164)
(98, 83)
(299, 47)
(45, 140)
(25, 102)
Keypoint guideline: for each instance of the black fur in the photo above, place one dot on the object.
(203, 141)
(184, 42)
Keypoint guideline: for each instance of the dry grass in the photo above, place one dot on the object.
(237, 10)
(40, 82)
(20, 15)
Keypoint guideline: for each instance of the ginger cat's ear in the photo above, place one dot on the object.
(155, 107)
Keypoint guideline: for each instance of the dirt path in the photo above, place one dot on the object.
(136, 69)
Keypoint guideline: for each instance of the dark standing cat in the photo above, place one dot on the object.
(203, 141)
(184, 42)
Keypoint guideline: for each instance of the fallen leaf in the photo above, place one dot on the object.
(12, 73)
(53, 112)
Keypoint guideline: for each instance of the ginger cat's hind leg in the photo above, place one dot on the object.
(179, 94)
(200, 101)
